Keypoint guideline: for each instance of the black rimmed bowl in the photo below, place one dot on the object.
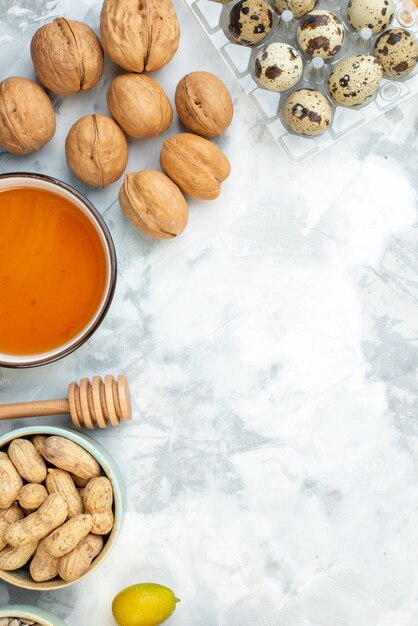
(81, 203)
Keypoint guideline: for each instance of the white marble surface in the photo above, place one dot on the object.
(271, 467)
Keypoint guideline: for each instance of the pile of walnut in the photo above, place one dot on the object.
(68, 58)
(55, 508)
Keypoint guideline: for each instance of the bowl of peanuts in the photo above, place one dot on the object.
(61, 507)
(22, 615)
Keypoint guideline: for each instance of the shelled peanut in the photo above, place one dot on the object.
(31, 497)
(98, 501)
(55, 508)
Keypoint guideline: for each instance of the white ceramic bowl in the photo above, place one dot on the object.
(45, 618)
(21, 577)
(26, 179)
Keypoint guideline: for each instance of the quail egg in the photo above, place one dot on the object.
(320, 34)
(250, 21)
(298, 7)
(374, 14)
(278, 66)
(355, 80)
(307, 112)
(397, 51)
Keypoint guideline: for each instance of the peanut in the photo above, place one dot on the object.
(10, 482)
(71, 457)
(68, 536)
(102, 522)
(59, 481)
(80, 482)
(12, 514)
(27, 461)
(74, 564)
(7, 517)
(38, 525)
(32, 496)
(12, 558)
(43, 566)
(98, 500)
(39, 442)
(98, 495)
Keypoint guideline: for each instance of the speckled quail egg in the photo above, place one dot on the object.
(355, 80)
(298, 7)
(250, 21)
(278, 66)
(321, 34)
(397, 51)
(307, 112)
(374, 14)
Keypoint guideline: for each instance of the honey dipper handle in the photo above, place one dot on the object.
(33, 409)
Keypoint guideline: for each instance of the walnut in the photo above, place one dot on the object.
(154, 204)
(203, 104)
(67, 56)
(96, 150)
(139, 105)
(27, 119)
(195, 164)
(139, 35)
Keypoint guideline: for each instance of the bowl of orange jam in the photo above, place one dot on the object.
(57, 269)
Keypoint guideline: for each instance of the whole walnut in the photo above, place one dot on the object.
(154, 204)
(139, 35)
(96, 150)
(203, 104)
(67, 56)
(195, 164)
(27, 119)
(139, 105)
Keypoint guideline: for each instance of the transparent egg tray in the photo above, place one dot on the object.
(214, 18)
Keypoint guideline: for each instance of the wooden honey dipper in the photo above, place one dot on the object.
(90, 404)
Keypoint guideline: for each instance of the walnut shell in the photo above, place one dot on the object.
(141, 35)
(139, 105)
(154, 204)
(96, 150)
(67, 56)
(27, 119)
(195, 164)
(203, 104)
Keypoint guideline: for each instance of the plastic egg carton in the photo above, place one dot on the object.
(214, 17)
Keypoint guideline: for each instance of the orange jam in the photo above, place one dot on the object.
(53, 271)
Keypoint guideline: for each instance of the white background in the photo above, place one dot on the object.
(271, 467)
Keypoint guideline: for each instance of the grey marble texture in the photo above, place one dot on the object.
(272, 351)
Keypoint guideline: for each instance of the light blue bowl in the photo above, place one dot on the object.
(21, 577)
(45, 618)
